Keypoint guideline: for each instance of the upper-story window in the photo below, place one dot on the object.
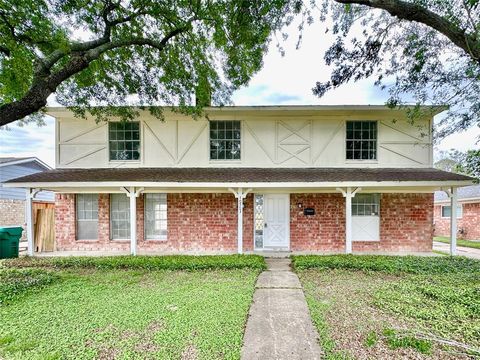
(124, 140)
(361, 140)
(225, 140)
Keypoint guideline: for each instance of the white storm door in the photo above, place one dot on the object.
(277, 221)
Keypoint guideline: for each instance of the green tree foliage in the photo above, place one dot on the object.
(421, 51)
(111, 53)
(460, 162)
(471, 164)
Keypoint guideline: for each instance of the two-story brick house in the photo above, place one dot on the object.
(310, 178)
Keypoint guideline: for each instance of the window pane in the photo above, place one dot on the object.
(124, 140)
(119, 216)
(447, 211)
(361, 140)
(87, 216)
(155, 216)
(366, 205)
(225, 137)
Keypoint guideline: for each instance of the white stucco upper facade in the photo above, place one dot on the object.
(271, 136)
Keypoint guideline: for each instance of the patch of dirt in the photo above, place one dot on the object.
(147, 347)
(190, 353)
(108, 328)
(155, 326)
(108, 353)
(351, 317)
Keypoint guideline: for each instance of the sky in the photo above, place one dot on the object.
(283, 80)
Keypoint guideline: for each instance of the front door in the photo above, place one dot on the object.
(277, 221)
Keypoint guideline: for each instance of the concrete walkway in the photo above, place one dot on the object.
(279, 324)
(461, 250)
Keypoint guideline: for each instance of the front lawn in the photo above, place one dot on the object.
(110, 309)
(368, 307)
(460, 242)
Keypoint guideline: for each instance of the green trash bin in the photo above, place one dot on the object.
(9, 241)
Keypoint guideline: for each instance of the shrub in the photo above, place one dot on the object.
(173, 262)
(15, 282)
(389, 264)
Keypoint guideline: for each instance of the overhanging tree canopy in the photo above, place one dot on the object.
(99, 52)
(422, 51)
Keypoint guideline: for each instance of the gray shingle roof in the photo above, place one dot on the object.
(467, 192)
(241, 175)
(4, 160)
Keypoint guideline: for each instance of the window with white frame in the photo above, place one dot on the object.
(366, 205)
(447, 211)
(156, 216)
(225, 140)
(119, 217)
(361, 140)
(87, 216)
(124, 140)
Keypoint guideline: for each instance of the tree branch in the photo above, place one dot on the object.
(414, 12)
(46, 84)
(4, 50)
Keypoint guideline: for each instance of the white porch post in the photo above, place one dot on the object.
(240, 221)
(133, 222)
(29, 220)
(240, 195)
(132, 195)
(453, 221)
(348, 221)
(348, 195)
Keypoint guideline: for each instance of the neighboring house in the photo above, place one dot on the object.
(12, 200)
(468, 213)
(310, 178)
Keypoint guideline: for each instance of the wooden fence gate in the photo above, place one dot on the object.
(44, 222)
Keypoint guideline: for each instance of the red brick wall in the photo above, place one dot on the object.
(324, 231)
(468, 225)
(405, 224)
(196, 222)
(65, 227)
(208, 223)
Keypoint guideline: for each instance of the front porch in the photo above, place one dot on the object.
(208, 224)
(235, 210)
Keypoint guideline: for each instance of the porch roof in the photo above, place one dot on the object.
(233, 177)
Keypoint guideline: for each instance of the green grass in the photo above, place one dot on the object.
(389, 264)
(437, 296)
(174, 262)
(396, 341)
(460, 242)
(17, 282)
(99, 309)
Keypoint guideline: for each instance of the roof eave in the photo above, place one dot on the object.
(27, 160)
(206, 185)
(434, 110)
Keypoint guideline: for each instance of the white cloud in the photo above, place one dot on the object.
(30, 140)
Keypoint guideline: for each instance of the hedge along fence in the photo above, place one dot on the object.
(171, 262)
(389, 264)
